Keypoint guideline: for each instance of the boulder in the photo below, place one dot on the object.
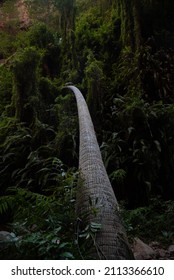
(6, 237)
(171, 249)
(162, 254)
(142, 251)
(154, 244)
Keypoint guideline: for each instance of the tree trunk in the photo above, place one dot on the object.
(95, 194)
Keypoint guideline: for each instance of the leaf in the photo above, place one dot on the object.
(62, 245)
(83, 235)
(95, 225)
(158, 146)
(67, 255)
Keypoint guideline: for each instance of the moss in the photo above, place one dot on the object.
(94, 78)
(5, 87)
(25, 85)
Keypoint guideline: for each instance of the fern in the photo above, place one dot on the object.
(39, 172)
(6, 203)
(28, 196)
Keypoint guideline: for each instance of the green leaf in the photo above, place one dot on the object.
(95, 225)
(62, 245)
(67, 255)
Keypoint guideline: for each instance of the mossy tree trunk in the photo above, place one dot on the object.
(94, 77)
(128, 12)
(67, 11)
(25, 96)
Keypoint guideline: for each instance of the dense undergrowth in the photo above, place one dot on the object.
(121, 56)
(139, 222)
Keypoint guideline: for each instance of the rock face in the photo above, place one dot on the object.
(142, 251)
(20, 13)
(23, 14)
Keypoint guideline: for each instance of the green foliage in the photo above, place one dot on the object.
(47, 90)
(98, 33)
(46, 226)
(90, 230)
(64, 4)
(86, 240)
(157, 74)
(126, 74)
(118, 175)
(94, 79)
(49, 45)
(40, 36)
(6, 202)
(5, 87)
(122, 57)
(25, 86)
(46, 231)
(86, 231)
(14, 150)
(6, 44)
(139, 144)
(140, 222)
(25, 62)
(45, 246)
(66, 138)
(86, 29)
(40, 172)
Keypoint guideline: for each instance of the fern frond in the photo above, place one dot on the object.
(6, 203)
(26, 195)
